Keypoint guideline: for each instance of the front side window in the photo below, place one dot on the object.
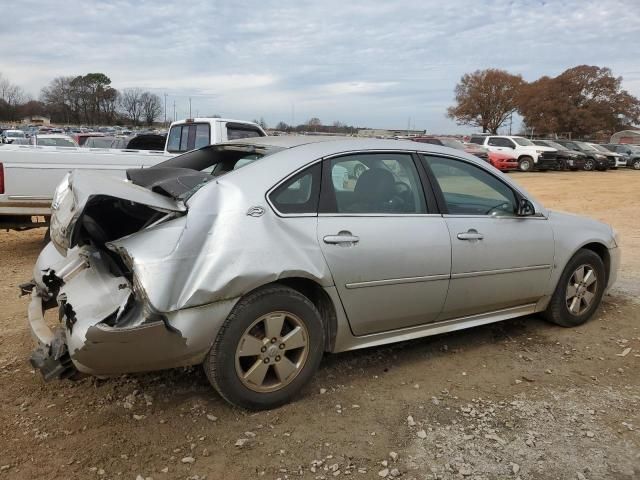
(477, 140)
(299, 194)
(500, 142)
(378, 183)
(470, 190)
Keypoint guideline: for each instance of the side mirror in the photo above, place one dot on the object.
(525, 208)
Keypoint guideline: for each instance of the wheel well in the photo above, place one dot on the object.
(317, 295)
(603, 252)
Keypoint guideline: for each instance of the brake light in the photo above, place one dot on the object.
(1, 179)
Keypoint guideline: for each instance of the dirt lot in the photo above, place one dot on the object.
(517, 399)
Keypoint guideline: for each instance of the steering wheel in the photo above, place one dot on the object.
(502, 204)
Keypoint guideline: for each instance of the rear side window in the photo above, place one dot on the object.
(183, 138)
(299, 194)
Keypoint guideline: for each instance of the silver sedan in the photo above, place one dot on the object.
(256, 257)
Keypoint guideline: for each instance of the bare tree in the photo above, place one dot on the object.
(11, 96)
(131, 104)
(151, 107)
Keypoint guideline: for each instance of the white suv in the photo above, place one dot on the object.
(530, 156)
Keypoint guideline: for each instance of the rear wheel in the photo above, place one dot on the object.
(267, 350)
(636, 164)
(579, 291)
(525, 164)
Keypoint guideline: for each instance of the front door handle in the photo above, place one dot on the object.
(471, 234)
(342, 237)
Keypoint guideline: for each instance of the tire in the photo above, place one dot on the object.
(636, 164)
(584, 307)
(589, 165)
(227, 361)
(525, 164)
(562, 166)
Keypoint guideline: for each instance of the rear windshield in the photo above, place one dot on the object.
(189, 136)
(55, 142)
(214, 161)
(237, 131)
(452, 143)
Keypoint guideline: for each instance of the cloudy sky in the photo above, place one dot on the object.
(374, 63)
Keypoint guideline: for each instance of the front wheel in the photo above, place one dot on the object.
(589, 165)
(579, 290)
(636, 164)
(525, 164)
(267, 350)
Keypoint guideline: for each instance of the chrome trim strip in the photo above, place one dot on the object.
(410, 333)
(404, 215)
(499, 271)
(30, 197)
(397, 281)
(537, 216)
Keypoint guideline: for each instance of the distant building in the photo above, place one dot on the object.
(375, 132)
(626, 136)
(36, 120)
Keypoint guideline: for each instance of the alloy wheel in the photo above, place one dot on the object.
(272, 352)
(588, 164)
(581, 290)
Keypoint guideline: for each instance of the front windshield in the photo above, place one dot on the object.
(452, 143)
(602, 149)
(523, 141)
(15, 134)
(586, 146)
(555, 145)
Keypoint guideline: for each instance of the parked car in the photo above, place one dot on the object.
(53, 140)
(571, 159)
(471, 148)
(620, 161)
(244, 257)
(9, 135)
(530, 156)
(630, 152)
(595, 160)
(501, 160)
(81, 138)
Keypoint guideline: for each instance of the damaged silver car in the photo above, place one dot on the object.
(256, 257)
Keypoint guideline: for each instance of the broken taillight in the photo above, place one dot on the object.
(1, 179)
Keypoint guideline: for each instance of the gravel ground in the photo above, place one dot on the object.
(519, 399)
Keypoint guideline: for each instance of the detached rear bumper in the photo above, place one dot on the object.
(51, 356)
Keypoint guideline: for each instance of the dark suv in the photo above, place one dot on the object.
(567, 158)
(594, 160)
(630, 152)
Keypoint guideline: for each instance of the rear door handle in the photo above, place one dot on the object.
(342, 237)
(472, 234)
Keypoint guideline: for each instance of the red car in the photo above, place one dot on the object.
(503, 161)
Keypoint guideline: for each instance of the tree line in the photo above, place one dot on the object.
(580, 101)
(82, 100)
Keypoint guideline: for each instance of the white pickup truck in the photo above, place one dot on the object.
(29, 174)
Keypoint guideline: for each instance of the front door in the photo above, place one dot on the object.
(499, 260)
(389, 257)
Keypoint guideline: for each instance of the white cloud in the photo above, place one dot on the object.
(361, 62)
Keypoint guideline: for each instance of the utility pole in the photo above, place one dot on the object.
(189, 107)
(165, 110)
(174, 111)
(510, 122)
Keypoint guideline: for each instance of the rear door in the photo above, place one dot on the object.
(499, 260)
(387, 249)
